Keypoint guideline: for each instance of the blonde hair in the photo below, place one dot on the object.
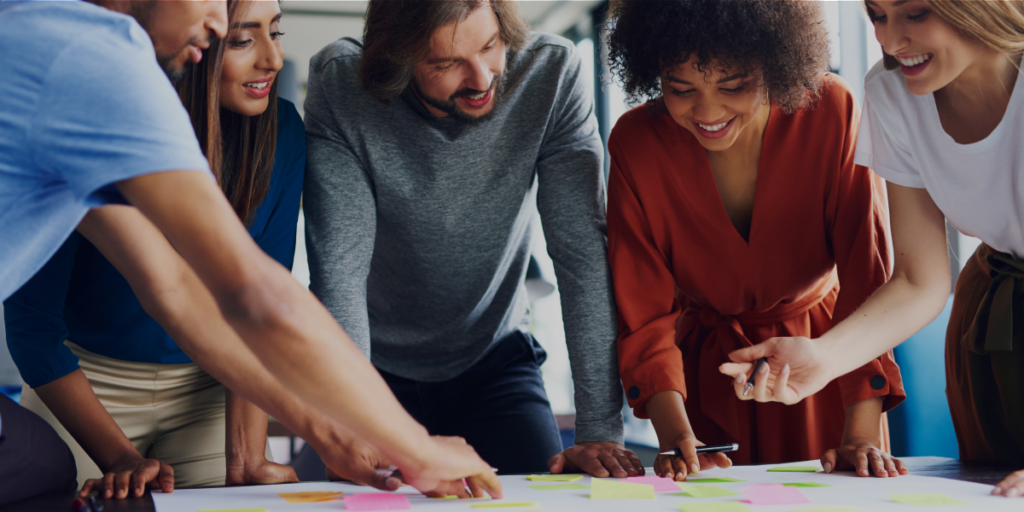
(998, 24)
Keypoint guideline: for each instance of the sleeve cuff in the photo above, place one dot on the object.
(644, 382)
(879, 378)
(610, 431)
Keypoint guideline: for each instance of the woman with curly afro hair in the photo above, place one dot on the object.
(737, 214)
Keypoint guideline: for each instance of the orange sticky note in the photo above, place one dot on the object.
(310, 496)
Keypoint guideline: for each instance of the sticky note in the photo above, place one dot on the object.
(714, 480)
(660, 484)
(925, 499)
(235, 510)
(806, 484)
(794, 469)
(504, 505)
(774, 494)
(309, 496)
(603, 489)
(833, 509)
(454, 497)
(721, 506)
(377, 501)
(558, 487)
(554, 478)
(704, 491)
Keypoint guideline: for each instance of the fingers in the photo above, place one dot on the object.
(592, 465)
(720, 460)
(890, 465)
(475, 489)
(142, 475)
(489, 483)
(760, 391)
(611, 463)
(90, 485)
(781, 390)
(108, 485)
(751, 354)
(734, 370)
(663, 467)
(635, 462)
(1011, 486)
(739, 383)
(877, 464)
(557, 463)
(828, 461)
(901, 467)
(679, 466)
(121, 483)
(690, 456)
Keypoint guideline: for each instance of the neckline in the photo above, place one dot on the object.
(992, 138)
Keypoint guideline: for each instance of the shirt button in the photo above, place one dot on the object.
(634, 393)
(877, 382)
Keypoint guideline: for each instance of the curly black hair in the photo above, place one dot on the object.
(786, 40)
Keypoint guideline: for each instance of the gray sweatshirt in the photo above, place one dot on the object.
(418, 228)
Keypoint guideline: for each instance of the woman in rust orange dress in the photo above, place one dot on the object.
(736, 214)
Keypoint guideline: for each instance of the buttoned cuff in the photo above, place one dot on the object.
(879, 378)
(643, 383)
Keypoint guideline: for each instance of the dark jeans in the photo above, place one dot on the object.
(498, 405)
(33, 458)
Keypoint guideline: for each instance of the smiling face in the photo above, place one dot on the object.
(461, 77)
(181, 29)
(252, 59)
(931, 53)
(717, 107)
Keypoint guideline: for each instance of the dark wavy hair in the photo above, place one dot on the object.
(397, 35)
(240, 148)
(785, 40)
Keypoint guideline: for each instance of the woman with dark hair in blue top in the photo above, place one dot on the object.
(133, 407)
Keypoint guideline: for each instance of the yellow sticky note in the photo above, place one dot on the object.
(504, 505)
(721, 506)
(705, 491)
(603, 489)
(794, 469)
(454, 497)
(925, 499)
(309, 496)
(554, 478)
(558, 487)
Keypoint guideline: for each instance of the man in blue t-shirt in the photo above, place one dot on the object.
(89, 119)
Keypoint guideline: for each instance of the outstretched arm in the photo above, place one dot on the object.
(913, 297)
(292, 335)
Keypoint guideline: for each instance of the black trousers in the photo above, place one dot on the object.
(33, 458)
(498, 405)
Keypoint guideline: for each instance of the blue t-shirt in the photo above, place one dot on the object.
(80, 296)
(83, 104)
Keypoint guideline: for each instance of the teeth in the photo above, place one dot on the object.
(478, 96)
(713, 127)
(259, 85)
(915, 61)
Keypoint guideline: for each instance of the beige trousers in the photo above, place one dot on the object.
(171, 412)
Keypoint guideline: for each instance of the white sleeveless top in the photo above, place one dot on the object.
(979, 186)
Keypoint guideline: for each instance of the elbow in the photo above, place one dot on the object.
(260, 304)
(931, 289)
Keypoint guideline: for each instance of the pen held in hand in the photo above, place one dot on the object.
(757, 368)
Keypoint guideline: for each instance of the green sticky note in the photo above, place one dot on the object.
(806, 484)
(235, 510)
(925, 499)
(604, 489)
(558, 487)
(554, 478)
(714, 480)
(721, 506)
(503, 505)
(795, 469)
(704, 491)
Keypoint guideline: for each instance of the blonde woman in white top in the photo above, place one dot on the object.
(943, 122)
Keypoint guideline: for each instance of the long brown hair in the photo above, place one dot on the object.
(397, 35)
(998, 24)
(240, 148)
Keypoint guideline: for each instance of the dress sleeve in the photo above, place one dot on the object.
(649, 359)
(881, 143)
(34, 317)
(341, 215)
(571, 202)
(278, 238)
(859, 233)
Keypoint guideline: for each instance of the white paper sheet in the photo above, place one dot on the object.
(847, 490)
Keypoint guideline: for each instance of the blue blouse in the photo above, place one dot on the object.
(80, 296)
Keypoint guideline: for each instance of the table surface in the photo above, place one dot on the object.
(940, 467)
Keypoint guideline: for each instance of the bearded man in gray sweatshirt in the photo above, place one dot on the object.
(432, 144)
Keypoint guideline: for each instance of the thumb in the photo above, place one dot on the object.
(166, 478)
(556, 463)
(752, 354)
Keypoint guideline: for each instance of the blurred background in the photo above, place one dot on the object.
(310, 25)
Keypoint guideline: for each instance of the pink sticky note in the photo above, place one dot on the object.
(660, 484)
(377, 501)
(774, 494)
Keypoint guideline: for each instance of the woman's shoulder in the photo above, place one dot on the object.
(291, 131)
(639, 125)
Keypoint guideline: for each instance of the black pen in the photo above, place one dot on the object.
(757, 368)
(714, 448)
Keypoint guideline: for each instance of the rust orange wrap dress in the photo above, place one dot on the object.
(690, 289)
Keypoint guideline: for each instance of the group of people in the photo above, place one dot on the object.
(149, 225)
